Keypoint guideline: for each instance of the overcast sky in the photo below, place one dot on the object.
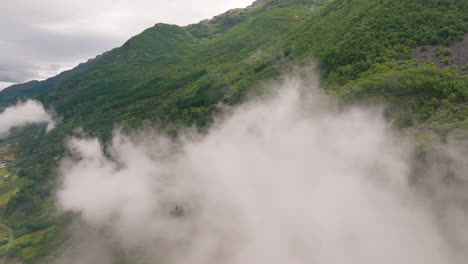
(40, 38)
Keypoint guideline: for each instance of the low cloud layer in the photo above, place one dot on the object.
(289, 179)
(22, 114)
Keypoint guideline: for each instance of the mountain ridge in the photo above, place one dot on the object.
(7, 97)
(176, 77)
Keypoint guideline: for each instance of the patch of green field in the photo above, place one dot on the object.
(9, 185)
(7, 152)
(29, 245)
(4, 198)
(3, 173)
(3, 233)
(7, 261)
(31, 238)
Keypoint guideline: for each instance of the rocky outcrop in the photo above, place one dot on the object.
(455, 55)
(460, 55)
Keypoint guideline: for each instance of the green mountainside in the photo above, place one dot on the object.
(176, 76)
(12, 94)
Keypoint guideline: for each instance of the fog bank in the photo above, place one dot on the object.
(286, 179)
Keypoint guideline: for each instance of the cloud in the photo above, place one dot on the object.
(37, 35)
(288, 179)
(22, 114)
(4, 85)
(30, 53)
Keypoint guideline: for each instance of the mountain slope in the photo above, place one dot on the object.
(175, 77)
(12, 94)
(143, 70)
(365, 51)
(172, 74)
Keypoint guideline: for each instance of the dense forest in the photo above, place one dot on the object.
(400, 54)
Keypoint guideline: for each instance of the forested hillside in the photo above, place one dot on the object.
(175, 77)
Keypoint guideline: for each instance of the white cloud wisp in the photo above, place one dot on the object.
(22, 114)
(292, 179)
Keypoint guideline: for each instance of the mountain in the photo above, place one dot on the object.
(150, 67)
(17, 92)
(367, 50)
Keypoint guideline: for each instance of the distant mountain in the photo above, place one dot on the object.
(14, 93)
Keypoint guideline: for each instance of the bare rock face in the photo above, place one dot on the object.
(457, 53)
(460, 55)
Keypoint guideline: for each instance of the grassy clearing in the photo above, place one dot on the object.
(10, 185)
(4, 198)
(32, 237)
(29, 245)
(3, 173)
(7, 153)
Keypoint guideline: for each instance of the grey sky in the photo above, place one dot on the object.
(38, 39)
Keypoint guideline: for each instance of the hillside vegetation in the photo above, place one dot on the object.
(176, 76)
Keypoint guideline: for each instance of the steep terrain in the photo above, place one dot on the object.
(172, 74)
(12, 94)
(176, 77)
(453, 55)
